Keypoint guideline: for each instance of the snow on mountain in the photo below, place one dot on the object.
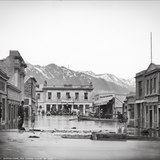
(88, 73)
(112, 78)
(54, 74)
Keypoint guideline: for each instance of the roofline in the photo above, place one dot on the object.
(66, 88)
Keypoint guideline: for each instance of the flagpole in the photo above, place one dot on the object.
(151, 45)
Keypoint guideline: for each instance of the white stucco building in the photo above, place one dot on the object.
(64, 97)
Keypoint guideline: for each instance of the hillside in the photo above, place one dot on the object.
(56, 75)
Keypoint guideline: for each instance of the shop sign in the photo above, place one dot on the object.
(102, 99)
(67, 101)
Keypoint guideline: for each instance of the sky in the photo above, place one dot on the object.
(99, 36)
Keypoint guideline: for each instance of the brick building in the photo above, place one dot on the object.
(13, 66)
(30, 99)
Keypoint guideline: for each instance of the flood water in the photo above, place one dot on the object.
(63, 122)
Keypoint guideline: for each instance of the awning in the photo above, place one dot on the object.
(103, 101)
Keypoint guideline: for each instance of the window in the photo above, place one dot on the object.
(38, 96)
(40, 107)
(151, 86)
(138, 111)
(49, 95)
(68, 95)
(85, 96)
(26, 101)
(76, 95)
(140, 88)
(47, 107)
(154, 85)
(146, 113)
(147, 87)
(58, 95)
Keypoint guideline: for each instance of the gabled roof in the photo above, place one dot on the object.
(151, 68)
(31, 77)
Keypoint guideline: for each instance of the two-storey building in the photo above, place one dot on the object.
(30, 100)
(13, 66)
(130, 107)
(64, 97)
(148, 97)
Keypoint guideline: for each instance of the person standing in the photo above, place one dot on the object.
(21, 115)
(33, 120)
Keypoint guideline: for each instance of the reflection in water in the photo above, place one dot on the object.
(62, 122)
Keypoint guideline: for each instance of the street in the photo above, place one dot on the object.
(19, 145)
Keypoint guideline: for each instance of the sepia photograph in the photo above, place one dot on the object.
(80, 80)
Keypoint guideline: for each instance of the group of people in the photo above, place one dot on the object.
(122, 117)
(21, 117)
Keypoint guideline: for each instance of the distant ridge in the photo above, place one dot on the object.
(56, 75)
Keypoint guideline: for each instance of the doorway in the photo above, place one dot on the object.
(3, 109)
(47, 107)
(159, 120)
(150, 120)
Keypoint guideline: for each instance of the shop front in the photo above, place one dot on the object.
(3, 97)
(108, 105)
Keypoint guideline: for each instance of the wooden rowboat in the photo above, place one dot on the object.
(97, 119)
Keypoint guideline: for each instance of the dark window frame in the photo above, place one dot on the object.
(140, 88)
(50, 95)
(86, 95)
(58, 95)
(151, 86)
(77, 95)
(68, 96)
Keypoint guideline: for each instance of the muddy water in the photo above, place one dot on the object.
(63, 122)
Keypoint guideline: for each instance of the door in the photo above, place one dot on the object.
(47, 107)
(81, 109)
(3, 109)
(150, 120)
(12, 114)
(159, 121)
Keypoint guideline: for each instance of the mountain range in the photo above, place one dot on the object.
(59, 75)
